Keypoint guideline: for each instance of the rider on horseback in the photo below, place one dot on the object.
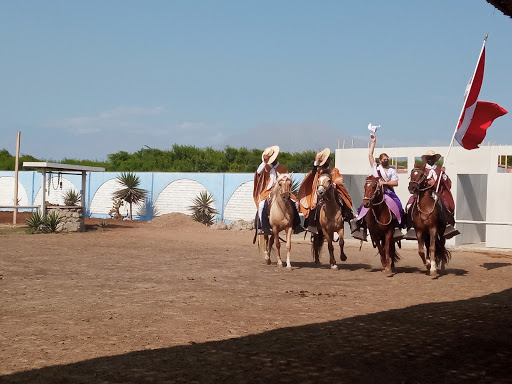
(264, 181)
(388, 179)
(307, 191)
(445, 200)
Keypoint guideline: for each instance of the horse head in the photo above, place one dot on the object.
(418, 179)
(324, 184)
(372, 190)
(284, 185)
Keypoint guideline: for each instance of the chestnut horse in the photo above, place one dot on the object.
(381, 223)
(330, 220)
(281, 213)
(426, 221)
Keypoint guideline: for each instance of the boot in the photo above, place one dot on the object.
(411, 234)
(450, 231)
(264, 222)
(298, 229)
(312, 222)
(398, 235)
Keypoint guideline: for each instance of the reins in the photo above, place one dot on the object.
(417, 205)
(372, 204)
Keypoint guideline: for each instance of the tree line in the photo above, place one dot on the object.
(181, 158)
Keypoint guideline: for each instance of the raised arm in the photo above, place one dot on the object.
(372, 147)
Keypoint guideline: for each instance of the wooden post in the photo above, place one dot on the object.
(43, 189)
(343, 143)
(16, 169)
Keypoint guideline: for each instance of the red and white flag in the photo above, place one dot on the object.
(476, 116)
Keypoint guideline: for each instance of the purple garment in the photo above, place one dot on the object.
(393, 203)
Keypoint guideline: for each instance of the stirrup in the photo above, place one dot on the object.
(263, 231)
(411, 235)
(298, 229)
(398, 235)
(353, 225)
(450, 231)
(360, 234)
(313, 229)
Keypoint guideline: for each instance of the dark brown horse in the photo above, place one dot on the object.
(381, 223)
(330, 220)
(425, 216)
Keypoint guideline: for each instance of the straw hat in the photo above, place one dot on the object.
(325, 155)
(272, 152)
(430, 153)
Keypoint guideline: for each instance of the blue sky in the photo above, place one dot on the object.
(83, 79)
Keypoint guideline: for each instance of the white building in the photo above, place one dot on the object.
(481, 187)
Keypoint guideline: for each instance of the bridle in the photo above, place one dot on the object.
(323, 197)
(379, 188)
(418, 183)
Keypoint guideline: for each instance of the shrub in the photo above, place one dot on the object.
(38, 223)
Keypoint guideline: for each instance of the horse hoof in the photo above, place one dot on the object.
(268, 261)
(433, 272)
(343, 257)
(334, 267)
(289, 266)
(388, 272)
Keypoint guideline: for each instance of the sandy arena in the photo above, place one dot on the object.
(172, 301)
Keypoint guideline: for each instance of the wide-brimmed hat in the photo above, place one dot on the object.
(325, 155)
(272, 152)
(429, 154)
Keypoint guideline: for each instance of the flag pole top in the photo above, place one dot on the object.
(486, 35)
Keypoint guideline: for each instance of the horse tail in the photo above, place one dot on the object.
(442, 254)
(318, 241)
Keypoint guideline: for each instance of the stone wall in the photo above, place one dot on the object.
(72, 218)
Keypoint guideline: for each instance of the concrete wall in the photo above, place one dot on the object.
(167, 192)
(482, 191)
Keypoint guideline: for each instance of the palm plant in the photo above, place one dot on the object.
(202, 208)
(130, 193)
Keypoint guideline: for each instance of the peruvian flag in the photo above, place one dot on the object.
(476, 116)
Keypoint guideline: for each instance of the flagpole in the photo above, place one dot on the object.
(461, 112)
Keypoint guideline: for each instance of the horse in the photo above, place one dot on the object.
(426, 221)
(381, 223)
(281, 214)
(330, 220)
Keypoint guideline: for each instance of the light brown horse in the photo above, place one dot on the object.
(330, 220)
(426, 221)
(281, 213)
(381, 223)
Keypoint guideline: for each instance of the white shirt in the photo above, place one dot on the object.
(273, 175)
(388, 174)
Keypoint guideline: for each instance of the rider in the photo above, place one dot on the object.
(388, 178)
(446, 202)
(307, 191)
(264, 181)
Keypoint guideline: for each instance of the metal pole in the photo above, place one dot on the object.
(16, 168)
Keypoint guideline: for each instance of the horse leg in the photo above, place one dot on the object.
(270, 243)
(332, 260)
(278, 247)
(288, 247)
(387, 249)
(382, 253)
(341, 239)
(421, 247)
(432, 251)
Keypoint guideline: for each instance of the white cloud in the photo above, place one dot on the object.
(118, 119)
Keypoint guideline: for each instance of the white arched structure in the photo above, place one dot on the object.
(102, 203)
(54, 191)
(241, 203)
(178, 197)
(7, 192)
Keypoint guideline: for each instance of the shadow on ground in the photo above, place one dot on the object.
(466, 341)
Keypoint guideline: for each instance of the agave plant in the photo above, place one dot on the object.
(36, 222)
(71, 197)
(202, 208)
(131, 193)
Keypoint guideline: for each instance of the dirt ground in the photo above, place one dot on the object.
(172, 301)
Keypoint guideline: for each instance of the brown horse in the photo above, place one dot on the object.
(330, 220)
(381, 223)
(281, 213)
(426, 221)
